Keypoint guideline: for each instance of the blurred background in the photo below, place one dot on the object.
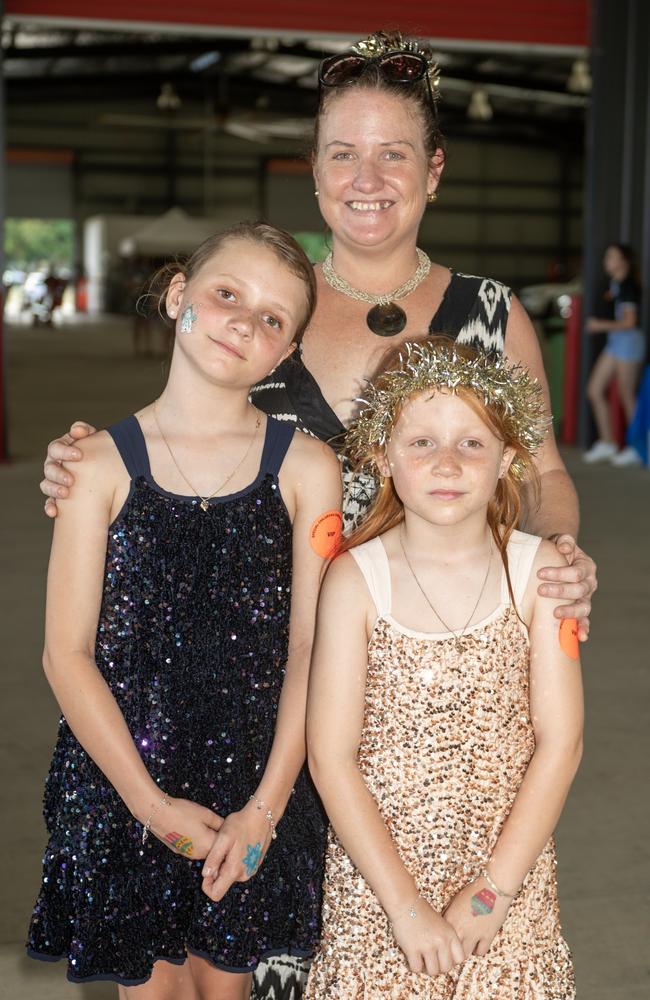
(132, 131)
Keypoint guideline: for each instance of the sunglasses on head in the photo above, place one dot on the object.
(394, 67)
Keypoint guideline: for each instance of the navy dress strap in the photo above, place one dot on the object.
(279, 436)
(129, 441)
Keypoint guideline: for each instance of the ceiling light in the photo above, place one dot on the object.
(479, 108)
(168, 99)
(579, 81)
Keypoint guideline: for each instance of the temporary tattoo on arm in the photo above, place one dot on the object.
(483, 902)
(325, 533)
(253, 858)
(569, 642)
(188, 318)
(180, 843)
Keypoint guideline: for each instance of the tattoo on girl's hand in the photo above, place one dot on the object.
(180, 843)
(253, 858)
(483, 902)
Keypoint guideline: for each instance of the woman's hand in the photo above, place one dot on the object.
(429, 942)
(476, 914)
(237, 852)
(57, 482)
(575, 582)
(594, 325)
(186, 828)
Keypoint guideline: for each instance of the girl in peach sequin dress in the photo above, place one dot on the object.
(445, 716)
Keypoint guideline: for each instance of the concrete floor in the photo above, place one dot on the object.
(87, 370)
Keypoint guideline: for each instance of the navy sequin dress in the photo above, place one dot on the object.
(192, 640)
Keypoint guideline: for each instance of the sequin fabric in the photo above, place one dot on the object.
(192, 640)
(446, 741)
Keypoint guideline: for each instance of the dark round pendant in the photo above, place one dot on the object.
(386, 321)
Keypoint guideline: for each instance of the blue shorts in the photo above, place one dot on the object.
(626, 345)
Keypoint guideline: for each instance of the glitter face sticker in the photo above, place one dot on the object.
(325, 533)
(569, 642)
(252, 859)
(188, 318)
(180, 843)
(483, 903)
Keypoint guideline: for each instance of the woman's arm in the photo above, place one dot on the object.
(557, 515)
(310, 482)
(628, 321)
(74, 593)
(335, 715)
(58, 479)
(556, 708)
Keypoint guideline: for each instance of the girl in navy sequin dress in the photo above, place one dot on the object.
(196, 533)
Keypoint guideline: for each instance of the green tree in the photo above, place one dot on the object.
(29, 242)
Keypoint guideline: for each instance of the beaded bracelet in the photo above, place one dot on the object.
(260, 804)
(165, 801)
(495, 888)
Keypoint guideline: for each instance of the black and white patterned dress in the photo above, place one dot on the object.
(473, 311)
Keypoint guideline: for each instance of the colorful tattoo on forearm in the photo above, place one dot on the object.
(253, 858)
(483, 903)
(180, 843)
(188, 318)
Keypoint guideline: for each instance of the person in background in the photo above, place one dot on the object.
(621, 359)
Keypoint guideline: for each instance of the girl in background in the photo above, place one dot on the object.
(621, 359)
(185, 839)
(445, 706)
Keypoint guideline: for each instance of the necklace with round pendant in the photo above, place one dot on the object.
(386, 321)
(385, 318)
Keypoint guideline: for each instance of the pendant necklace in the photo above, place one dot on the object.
(386, 318)
(458, 637)
(204, 505)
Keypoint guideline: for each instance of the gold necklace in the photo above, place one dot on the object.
(386, 318)
(457, 637)
(204, 500)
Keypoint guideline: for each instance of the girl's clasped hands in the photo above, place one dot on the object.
(232, 849)
(434, 943)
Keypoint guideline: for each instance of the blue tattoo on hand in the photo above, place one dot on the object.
(188, 318)
(253, 858)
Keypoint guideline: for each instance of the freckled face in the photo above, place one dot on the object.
(372, 170)
(444, 461)
(247, 306)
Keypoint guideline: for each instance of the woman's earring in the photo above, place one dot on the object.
(316, 193)
(433, 196)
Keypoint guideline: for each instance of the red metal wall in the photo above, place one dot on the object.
(549, 22)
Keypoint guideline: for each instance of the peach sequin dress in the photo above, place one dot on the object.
(447, 738)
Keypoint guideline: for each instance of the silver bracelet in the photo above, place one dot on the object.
(260, 804)
(495, 888)
(409, 911)
(165, 801)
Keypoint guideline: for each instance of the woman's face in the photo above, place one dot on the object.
(615, 264)
(371, 169)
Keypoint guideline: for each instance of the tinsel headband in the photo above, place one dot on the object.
(433, 365)
(381, 42)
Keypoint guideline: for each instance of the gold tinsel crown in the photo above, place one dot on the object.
(381, 42)
(435, 364)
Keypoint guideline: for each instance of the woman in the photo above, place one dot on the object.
(622, 358)
(378, 158)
